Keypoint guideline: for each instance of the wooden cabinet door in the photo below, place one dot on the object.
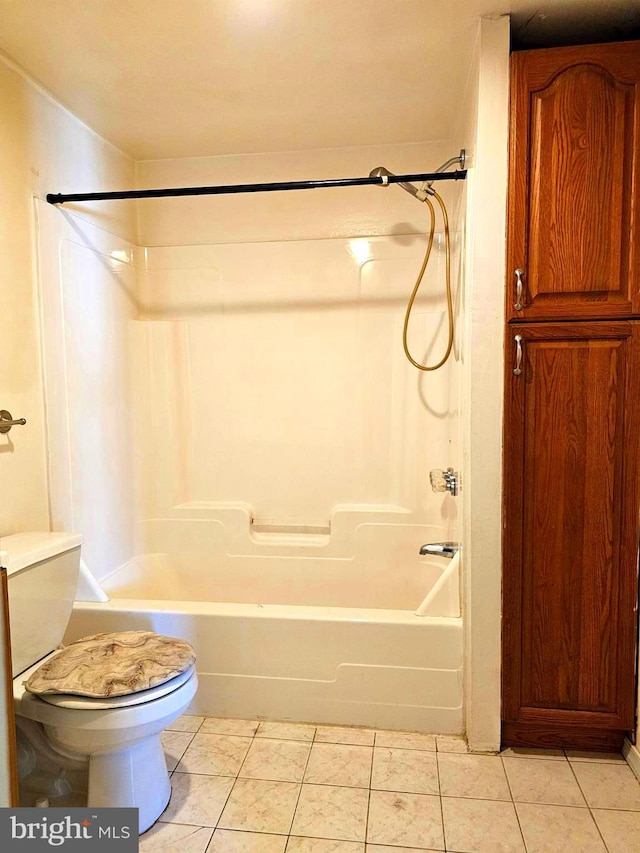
(574, 173)
(571, 525)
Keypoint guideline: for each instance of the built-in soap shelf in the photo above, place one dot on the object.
(271, 532)
(259, 525)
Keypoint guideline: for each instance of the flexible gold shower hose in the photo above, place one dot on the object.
(414, 293)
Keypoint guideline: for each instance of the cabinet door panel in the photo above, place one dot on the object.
(574, 167)
(571, 525)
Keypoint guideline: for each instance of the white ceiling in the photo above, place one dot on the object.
(185, 78)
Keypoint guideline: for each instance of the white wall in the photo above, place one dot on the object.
(43, 148)
(485, 134)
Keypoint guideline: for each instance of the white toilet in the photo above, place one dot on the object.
(120, 735)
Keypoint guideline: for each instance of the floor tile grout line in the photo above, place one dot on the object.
(612, 809)
(253, 739)
(237, 777)
(164, 749)
(183, 752)
(575, 776)
(539, 758)
(593, 818)
(506, 776)
(513, 803)
(486, 798)
(231, 790)
(518, 802)
(304, 773)
(366, 823)
(444, 831)
(309, 837)
(438, 780)
(373, 755)
(393, 791)
(209, 847)
(255, 832)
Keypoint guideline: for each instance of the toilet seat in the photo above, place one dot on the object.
(81, 703)
(107, 665)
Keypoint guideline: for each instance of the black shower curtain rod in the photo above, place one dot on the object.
(61, 198)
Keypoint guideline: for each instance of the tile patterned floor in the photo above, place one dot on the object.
(240, 786)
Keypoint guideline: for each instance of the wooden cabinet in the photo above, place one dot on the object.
(572, 441)
(572, 405)
(574, 225)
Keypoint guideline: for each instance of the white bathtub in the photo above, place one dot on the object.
(300, 651)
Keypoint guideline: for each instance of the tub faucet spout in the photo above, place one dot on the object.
(441, 549)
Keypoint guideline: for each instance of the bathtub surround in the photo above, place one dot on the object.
(192, 304)
(232, 491)
(87, 290)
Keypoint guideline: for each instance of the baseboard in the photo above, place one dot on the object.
(632, 756)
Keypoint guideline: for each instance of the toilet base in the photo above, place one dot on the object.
(127, 767)
(136, 777)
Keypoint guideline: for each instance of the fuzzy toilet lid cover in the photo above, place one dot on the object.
(114, 664)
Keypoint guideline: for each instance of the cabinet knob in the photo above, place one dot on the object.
(519, 284)
(517, 370)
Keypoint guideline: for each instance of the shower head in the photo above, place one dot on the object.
(381, 172)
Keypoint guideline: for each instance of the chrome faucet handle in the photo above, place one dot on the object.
(441, 549)
(444, 481)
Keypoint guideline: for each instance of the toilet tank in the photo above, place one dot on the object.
(42, 571)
